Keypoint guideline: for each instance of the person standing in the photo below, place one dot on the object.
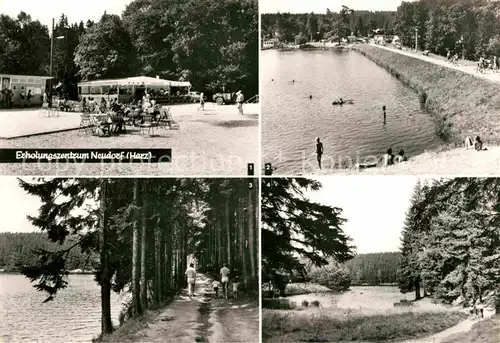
(22, 96)
(239, 99)
(224, 272)
(191, 278)
(202, 102)
(29, 96)
(385, 116)
(319, 151)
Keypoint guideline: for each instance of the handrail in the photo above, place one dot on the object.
(253, 100)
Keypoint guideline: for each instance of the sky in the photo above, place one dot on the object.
(76, 11)
(320, 6)
(374, 206)
(15, 205)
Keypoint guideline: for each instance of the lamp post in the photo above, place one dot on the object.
(416, 39)
(51, 56)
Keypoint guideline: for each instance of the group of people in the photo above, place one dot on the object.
(389, 159)
(224, 282)
(477, 308)
(492, 64)
(476, 143)
(7, 97)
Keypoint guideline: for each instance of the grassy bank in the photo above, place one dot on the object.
(293, 326)
(462, 103)
(487, 331)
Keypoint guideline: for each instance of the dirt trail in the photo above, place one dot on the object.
(463, 326)
(201, 319)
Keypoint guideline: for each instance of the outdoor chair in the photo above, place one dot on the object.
(166, 119)
(87, 124)
(149, 122)
(103, 123)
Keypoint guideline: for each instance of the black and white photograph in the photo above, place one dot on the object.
(131, 74)
(380, 259)
(380, 87)
(129, 260)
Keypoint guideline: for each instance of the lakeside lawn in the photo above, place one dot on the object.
(487, 331)
(217, 141)
(464, 105)
(352, 325)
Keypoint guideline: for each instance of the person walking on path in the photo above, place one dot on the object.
(319, 151)
(480, 309)
(191, 278)
(224, 272)
(202, 102)
(239, 99)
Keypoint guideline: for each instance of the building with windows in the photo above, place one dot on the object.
(21, 85)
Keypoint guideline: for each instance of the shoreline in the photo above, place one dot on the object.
(462, 103)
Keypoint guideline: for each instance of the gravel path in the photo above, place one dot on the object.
(215, 142)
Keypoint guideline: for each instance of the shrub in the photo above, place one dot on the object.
(305, 303)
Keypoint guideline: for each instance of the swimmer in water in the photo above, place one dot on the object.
(310, 96)
(293, 81)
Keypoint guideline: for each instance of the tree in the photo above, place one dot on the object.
(105, 50)
(293, 226)
(312, 26)
(23, 46)
(333, 276)
(411, 248)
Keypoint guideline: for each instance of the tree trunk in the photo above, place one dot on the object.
(417, 289)
(144, 288)
(243, 241)
(136, 297)
(251, 232)
(106, 324)
(158, 272)
(228, 233)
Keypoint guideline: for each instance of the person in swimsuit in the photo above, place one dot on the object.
(319, 151)
(388, 158)
(478, 144)
(191, 278)
(224, 273)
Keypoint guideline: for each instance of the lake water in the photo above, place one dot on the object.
(291, 121)
(369, 297)
(73, 316)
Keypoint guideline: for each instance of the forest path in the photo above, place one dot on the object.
(463, 326)
(204, 318)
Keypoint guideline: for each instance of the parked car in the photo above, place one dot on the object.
(224, 98)
(195, 96)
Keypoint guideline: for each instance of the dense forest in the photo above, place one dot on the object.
(142, 232)
(19, 249)
(209, 43)
(374, 269)
(451, 241)
(470, 28)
